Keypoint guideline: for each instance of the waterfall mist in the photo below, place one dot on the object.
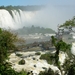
(48, 17)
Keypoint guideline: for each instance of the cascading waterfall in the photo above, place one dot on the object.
(5, 19)
(16, 20)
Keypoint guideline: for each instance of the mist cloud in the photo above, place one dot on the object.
(51, 16)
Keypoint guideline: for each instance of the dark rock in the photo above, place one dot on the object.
(33, 58)
(22, 62)
(34, 65)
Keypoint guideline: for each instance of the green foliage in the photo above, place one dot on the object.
(49, 57)
(7, 40)
(38, 53)
(22, 73)
(7, 70)
(69, 22)
(61, 46)
(69, 65)
(22, 62)
(6, 43)
(48, 72)
(71, 70)
(53, 40)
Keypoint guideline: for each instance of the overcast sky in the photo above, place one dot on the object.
(56, 12)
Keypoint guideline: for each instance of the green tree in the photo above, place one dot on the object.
(5, 69)
(53, 40)
(7, 40)
(68, 23)
(62, 46)
(71, 70)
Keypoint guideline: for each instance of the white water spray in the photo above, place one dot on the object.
(20, 18)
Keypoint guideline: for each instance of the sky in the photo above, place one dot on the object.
(37, 2)
(56, 12)
(23, 2)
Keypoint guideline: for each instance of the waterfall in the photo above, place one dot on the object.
(73, 48)
(5, 19)
(16, 20)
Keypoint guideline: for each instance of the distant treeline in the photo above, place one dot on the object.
(23, 8)
(26, 8)
(33, 30)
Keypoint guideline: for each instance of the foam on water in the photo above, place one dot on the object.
(73, 48)
(29, 63)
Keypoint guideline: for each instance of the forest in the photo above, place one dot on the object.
(34, 29)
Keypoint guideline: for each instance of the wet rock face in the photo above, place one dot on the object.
(22, 62)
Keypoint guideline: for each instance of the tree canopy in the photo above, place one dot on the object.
(69, 22)
(7, 40)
